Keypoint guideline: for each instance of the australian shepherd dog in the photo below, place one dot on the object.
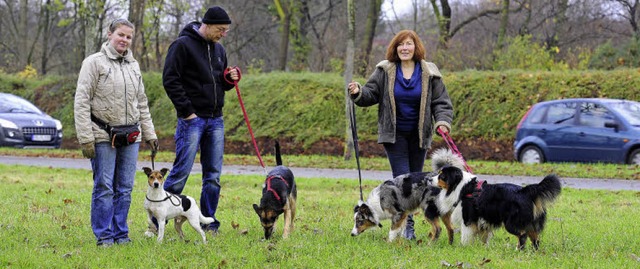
(399, 197)
(480, 208)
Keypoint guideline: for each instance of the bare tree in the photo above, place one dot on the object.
(367, 38)
(504, 23)
(284, 9)
(136, 16)
(348, 75)
(630, 13)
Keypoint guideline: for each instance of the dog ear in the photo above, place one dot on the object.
(355, 209)
(164, 171)
(364, 209)
(147, 171)
(257, 209)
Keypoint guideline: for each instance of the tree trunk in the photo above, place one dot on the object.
(136, 16)
(504, 23)
(367, 38)
(285, 26)
(46, 15)
(348, 75)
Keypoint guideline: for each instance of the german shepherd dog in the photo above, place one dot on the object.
(279, 194)
(480, 208)
(399, 197)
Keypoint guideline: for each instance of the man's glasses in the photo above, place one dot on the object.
(223, 29)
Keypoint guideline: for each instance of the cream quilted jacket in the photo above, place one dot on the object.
(110, 86)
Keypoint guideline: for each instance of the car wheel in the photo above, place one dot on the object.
(634, 157)
(531, 154)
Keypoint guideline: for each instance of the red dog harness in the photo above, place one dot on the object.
(271, 189)
(477, 191)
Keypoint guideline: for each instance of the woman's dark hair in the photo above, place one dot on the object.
(118, 22)
(392, 50)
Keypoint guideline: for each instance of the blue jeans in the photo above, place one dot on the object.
(405, 155)
(114, 170)
(208, 135)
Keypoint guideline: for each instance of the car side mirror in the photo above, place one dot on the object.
(613, 125)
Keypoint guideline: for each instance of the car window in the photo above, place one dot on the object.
(537, 115)
(561, 113)
(629, 110)
(14, 104)
(594, 115)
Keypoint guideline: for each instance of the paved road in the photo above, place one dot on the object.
(578, 183)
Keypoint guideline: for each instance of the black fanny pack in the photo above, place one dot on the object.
(121, 135)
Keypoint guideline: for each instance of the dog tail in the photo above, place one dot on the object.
(444, 156)
(543, 193)
(206, 220)
(278, 155)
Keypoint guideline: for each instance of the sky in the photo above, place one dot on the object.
(400, 6)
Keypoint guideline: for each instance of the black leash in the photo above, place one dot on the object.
(168, 197)
(354, 134)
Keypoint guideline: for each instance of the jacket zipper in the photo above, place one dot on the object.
(124, 79)
(213, 80)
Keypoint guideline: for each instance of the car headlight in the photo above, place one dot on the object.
(58, 125)
(8, 124)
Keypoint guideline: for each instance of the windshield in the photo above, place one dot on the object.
(630, 110)
(13, 104)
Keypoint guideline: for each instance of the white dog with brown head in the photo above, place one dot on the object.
(165, 206)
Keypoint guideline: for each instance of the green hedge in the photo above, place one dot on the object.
(309, 107)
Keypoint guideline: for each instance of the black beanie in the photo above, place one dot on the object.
(216, 15)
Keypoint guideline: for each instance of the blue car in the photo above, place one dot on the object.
(23, 125)
(580, 130)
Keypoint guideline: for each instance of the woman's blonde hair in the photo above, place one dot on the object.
(392, 50)
(118, 22)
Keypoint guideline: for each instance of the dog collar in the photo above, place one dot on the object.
(166, 198)
(476, 192)
(271, 189)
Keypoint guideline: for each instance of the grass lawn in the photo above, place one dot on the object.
(46, 223)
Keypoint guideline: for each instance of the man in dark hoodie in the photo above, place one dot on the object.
(193, 79)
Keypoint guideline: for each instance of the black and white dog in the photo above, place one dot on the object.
(399, 197)
(480, 208)
(165, 206)
(279, 194)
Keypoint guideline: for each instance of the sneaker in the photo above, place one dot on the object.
(105, 244)
(409, 233)
(123, 241)
(213, 232)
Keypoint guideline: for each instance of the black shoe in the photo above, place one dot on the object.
(409, 233)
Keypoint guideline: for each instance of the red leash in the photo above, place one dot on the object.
(452, 146)
(244, 111)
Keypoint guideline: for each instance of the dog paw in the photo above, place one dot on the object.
(149, 234)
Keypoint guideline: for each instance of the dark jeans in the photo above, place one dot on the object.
(405, 156)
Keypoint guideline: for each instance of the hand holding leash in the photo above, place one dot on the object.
(232, 75)
(228, 77)
(452, 146)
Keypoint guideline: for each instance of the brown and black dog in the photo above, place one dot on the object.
(279, 195)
